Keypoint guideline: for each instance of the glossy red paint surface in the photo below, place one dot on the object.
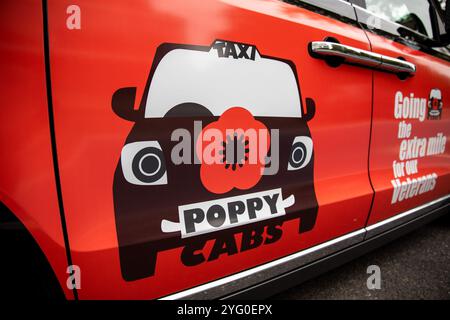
(27, 180)
(431, 73)
(115, 48)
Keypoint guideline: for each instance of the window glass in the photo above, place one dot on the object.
(414, 14)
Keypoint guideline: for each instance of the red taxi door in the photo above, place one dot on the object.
(97, 48)
(409, 155)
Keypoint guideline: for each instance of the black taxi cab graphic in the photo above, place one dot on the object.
(161, 204)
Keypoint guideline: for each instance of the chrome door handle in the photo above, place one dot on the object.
(352, 55)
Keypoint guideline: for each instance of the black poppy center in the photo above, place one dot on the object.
(235, 151)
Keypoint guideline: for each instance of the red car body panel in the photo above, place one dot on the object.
(27, 177)
(88, 66)
(385, 146)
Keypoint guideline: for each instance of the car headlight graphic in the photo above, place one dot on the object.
(301, 153)
(143, 163)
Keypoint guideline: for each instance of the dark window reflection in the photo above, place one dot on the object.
(414, 14)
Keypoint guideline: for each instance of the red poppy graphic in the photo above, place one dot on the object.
(232, 151)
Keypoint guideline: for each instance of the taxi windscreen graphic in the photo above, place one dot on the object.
(220, 146)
